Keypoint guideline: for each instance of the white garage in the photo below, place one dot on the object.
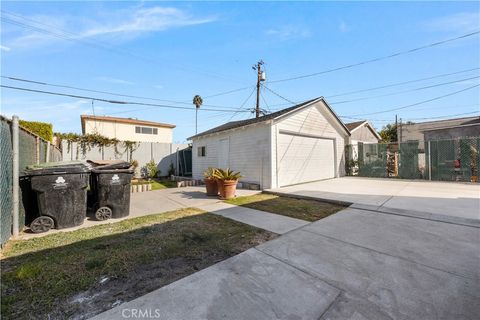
(299, 144)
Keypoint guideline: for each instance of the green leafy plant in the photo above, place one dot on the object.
(389, 133)
(41, 129)
(88, 141)
(351, 166)
(210, 173)
(226, 174)
(151, 169)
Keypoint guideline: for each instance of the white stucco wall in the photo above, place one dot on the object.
(315, 120)
(125, 131)
(249, 153)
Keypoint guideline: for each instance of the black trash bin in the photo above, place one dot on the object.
(110, 189)
(61, 194)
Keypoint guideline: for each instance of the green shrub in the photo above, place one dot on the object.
(42, 129)
(151, 169)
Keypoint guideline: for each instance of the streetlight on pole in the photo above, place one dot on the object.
(197, 101)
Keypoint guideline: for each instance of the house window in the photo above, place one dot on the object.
(146, 130)
(201, 151)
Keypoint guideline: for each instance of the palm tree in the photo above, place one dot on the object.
(197, 101)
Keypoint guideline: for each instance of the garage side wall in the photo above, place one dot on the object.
(248, 152)
(315, 121)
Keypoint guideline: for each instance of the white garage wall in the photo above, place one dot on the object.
(249, 149)
(318, 121)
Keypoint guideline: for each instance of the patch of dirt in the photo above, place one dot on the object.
(111, 292)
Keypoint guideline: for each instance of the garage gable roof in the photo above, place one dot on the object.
(352, 126)
(271, 116)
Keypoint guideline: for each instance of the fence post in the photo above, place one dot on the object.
(47, 156)
(429, 162)
(15, 176)
(37, 150)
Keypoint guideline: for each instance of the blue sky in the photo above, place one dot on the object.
(174, 50)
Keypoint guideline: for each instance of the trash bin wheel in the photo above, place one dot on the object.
(42, 224)
(103, 213)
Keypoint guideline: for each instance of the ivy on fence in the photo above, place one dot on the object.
(42, 129)
(88, 141)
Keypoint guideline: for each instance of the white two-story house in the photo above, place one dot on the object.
(127, 129)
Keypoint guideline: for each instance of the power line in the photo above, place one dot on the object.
(417, 103)
(278, 95)
(378, 58)
(401, 83)
(391, 85)
(242, 105)
(404, 91)
(109, 101)
(103, 92)
(265, 101)
(66, 35)
(414, 119)
(228, 92)
(446, 116)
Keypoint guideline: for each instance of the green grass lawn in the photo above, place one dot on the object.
(84, 272)
(309, 210)
(158, 184)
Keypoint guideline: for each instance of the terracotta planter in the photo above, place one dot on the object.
(227, 188)
(212, 187)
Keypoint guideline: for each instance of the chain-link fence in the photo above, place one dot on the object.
(454, 160)
(6, 178)
(437, 160)
(32, 150)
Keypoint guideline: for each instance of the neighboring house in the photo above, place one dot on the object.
(127, 129)
(361, 131)
(299, 144)
(438, 130)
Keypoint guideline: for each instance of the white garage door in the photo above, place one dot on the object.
(303, 159)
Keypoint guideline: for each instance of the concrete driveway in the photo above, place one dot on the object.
(356, 264)
(444, 201)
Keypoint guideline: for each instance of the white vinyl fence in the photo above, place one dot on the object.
(163, 154)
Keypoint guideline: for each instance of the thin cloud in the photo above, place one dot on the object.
(4, 48)
(343, 27)
(114, 80)
(149, 20)
(128, 24)
(289, 32)
(460, 22)
(158, 86)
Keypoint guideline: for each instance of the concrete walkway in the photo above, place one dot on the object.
(260, 219)
(443, 201)
(356, 264)
(152, 202)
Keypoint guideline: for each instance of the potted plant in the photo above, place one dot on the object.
(211, 182)
(227, 182)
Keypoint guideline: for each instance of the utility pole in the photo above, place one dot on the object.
(396, 126)
(260, 77)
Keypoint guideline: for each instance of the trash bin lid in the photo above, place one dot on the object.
(109, 164)
(51, 168)
(109, 170)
